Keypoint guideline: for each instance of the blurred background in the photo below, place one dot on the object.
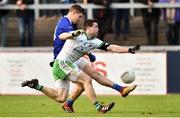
(125, 22)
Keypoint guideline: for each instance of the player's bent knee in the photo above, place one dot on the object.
(61, 99)
(88, 80)
(62, 94)
(82, 89)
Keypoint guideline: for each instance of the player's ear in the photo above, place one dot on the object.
(75, 12)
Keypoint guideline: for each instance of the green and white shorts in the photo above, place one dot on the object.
(64, 71)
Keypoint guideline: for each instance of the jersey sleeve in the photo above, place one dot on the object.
(101, 45)
(98, 43)
(63, 26)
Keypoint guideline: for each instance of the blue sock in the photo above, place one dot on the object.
(117, 87)
(70, 102)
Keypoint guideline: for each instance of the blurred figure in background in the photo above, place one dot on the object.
(150, 20)
(57, 12)
(44, 13)
(104, 17)
(172, 19)
(3, 23)
(26, 22)
(121, 20)
(52, 13)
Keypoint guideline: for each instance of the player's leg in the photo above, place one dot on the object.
(77, 76)
(83, 65)
(88, 69)
(58, 94)
(76, 92)
(97, 76)
(87, 84)
(124, 90)
(89, 90)
(78, 89)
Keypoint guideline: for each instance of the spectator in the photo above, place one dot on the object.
(121, 20)
(44, 13)
(104, 17)
(3, 24)
(55, 13)
(150, 20)
(172, 19)
(26, 22)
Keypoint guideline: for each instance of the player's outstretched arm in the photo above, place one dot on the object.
(70, 35)
(120, 49)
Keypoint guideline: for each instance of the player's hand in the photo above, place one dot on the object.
(134, 49)
(92, 57)
(77, 33)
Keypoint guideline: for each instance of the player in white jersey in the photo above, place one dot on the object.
(91, 28)
(78, 47)
(65, 67)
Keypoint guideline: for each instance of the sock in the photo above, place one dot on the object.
(97, 105)
(39, 87)
(69, 102)
(117, 87)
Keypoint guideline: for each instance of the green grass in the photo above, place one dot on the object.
(132, 106)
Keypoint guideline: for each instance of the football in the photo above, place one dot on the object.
(128, 77)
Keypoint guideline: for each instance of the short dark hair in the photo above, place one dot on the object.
(89, 23)
(77, 8)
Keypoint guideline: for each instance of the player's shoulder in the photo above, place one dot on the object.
(81, 38)
(97, 40)
(64, 21)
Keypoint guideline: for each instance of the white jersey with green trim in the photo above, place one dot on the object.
(78, 47)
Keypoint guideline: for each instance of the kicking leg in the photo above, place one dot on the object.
(124, 90)
(83, 65)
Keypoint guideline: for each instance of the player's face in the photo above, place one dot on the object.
(77, 17)
(94, 30)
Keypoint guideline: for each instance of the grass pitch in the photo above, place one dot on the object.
(132, 106)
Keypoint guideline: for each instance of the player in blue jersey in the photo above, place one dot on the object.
(66, 24)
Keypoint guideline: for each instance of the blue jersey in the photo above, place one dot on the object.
(63, 25)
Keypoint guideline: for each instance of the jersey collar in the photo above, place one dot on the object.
(68, 19)
(88, 37)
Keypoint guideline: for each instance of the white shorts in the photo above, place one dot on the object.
(62, 84)
(73, 76)
(81, 63)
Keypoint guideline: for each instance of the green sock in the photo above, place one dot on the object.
(39, 87)
(97, 105)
